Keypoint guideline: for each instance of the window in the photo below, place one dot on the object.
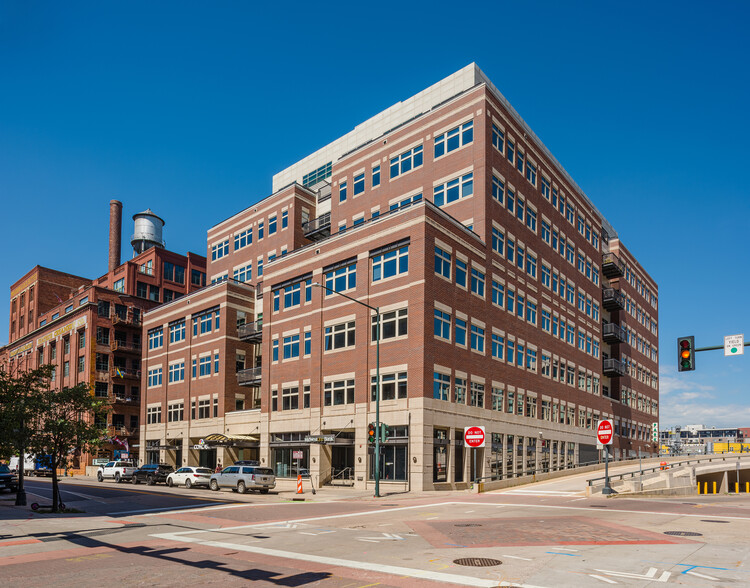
(442, 263)
(531, 360)
(392, 324)
(339, 336)
(520, 158)
(272, 225)
(510, 151)
(176, 412)
(291, 347)
(406, 161)
(510, 200)
(498, 399)
(292, 295)
(153, 415)
(477, 282)
(243, 274)
(204, 366)
(338, 392)
(359, 183)
(341, 279)
(442, 325)
(476, 395)
(308, 342)
(155, 338)
(392, 263)
(177, 372)
(176, 331)
(510, 250)
(453, 139)
(461, 269)
(531, 219)
(392, 386)
(275, 350)
(197, 278)
(459, 391)
(546, 276)
(284, 219)
(376, 176)
(290, 398)
(531, 172)
(498, 139)
(498, 189)
(154, 377)
(460, 332)
(453, 190)
(261, 230)
(477, 338)
(498, 241)
(441, 385)
(219, 250)
(204, 408)
(497, 293)
(531, 264)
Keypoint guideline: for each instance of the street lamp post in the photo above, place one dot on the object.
(377, 379)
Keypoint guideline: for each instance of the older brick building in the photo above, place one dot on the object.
(506, 300)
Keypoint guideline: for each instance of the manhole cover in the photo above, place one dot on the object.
(468, 525)
(477, 562)
(710, 521)
(683, 533)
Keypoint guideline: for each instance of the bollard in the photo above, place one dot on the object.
(737, 487)
(714, 487)
(705, 487)
(299, 484)
(699, 487)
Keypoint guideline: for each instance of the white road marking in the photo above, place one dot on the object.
(603, 579)
(517, 557)
(703, 576)
(215, 507)
(650, 575)
(357, 565)
(563, 548)
(385, 537)
(160, 510)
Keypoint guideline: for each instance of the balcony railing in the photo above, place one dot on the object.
(121, 431)
(249, 377)
(120, 372)
(127, 320)
(613, 299)
(251, 332)
(614, 333)
(318, 228)
(614, 368)
(612, 267)
(122, 346)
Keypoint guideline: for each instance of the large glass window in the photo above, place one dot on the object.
(393, 463)
(442, 263)
(392, 263)
(441, 386)
(407, 161)
(340, 336)
(338, 392)
(453, 139)
(392, 386)
(392, 324)
(453, 190)
(442, 325)
(341, 279)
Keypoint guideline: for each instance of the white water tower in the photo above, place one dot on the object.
(147, 233)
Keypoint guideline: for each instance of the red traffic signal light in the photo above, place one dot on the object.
(686, 354)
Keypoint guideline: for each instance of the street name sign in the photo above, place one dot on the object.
(474, 436)
(734, 345)
(605, 432)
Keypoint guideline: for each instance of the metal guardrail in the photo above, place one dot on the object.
(667, 466)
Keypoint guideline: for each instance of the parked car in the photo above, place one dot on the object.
(152, 473)
(190, 476)
(8, 480)
(243, 478)
(116, 470)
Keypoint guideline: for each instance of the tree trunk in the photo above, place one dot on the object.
(55, 488)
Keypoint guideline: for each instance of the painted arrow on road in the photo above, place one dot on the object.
(385, 537)
(650, 575)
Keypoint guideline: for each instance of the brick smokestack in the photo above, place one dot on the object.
(115, 233)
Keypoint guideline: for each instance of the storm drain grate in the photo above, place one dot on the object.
(683, 533)
(477, 562)
(468, 525)
(712, 521)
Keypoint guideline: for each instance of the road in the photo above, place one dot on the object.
(544, 535)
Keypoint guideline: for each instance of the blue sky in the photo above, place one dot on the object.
(189, 108)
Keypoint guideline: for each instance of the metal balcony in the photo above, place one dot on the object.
(614, 333)
(125, 373)
(125, 348)
(613, 299)
(251, 332)
(249, 377)
(614, 368)
(318, 228)
(129, 321)
(612, 267)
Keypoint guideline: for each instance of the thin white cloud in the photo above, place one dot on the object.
(710, 414)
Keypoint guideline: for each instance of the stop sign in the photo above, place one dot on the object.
(605, 432)
(474, 436)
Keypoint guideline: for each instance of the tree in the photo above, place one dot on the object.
(68, 419)
(20, 398)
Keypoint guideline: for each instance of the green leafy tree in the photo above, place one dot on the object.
(68, 419)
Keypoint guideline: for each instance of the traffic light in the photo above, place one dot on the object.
(385, 432)
(686, 354)
(655, 432)
(371, 433)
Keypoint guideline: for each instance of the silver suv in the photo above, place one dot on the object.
(243, 478)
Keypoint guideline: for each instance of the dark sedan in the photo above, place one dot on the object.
(8, 480)
(152, 473)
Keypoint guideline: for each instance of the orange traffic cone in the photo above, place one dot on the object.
(299, 484)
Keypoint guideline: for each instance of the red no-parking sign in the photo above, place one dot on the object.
(474, 436)
(605, 432)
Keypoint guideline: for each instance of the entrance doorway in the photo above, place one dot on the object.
(207, 458)
(342, 465)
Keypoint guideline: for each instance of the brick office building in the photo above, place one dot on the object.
(507, 300)
(92, 333)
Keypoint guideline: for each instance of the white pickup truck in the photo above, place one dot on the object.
(116, 470)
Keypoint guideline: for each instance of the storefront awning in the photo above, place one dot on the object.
(219, 439)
